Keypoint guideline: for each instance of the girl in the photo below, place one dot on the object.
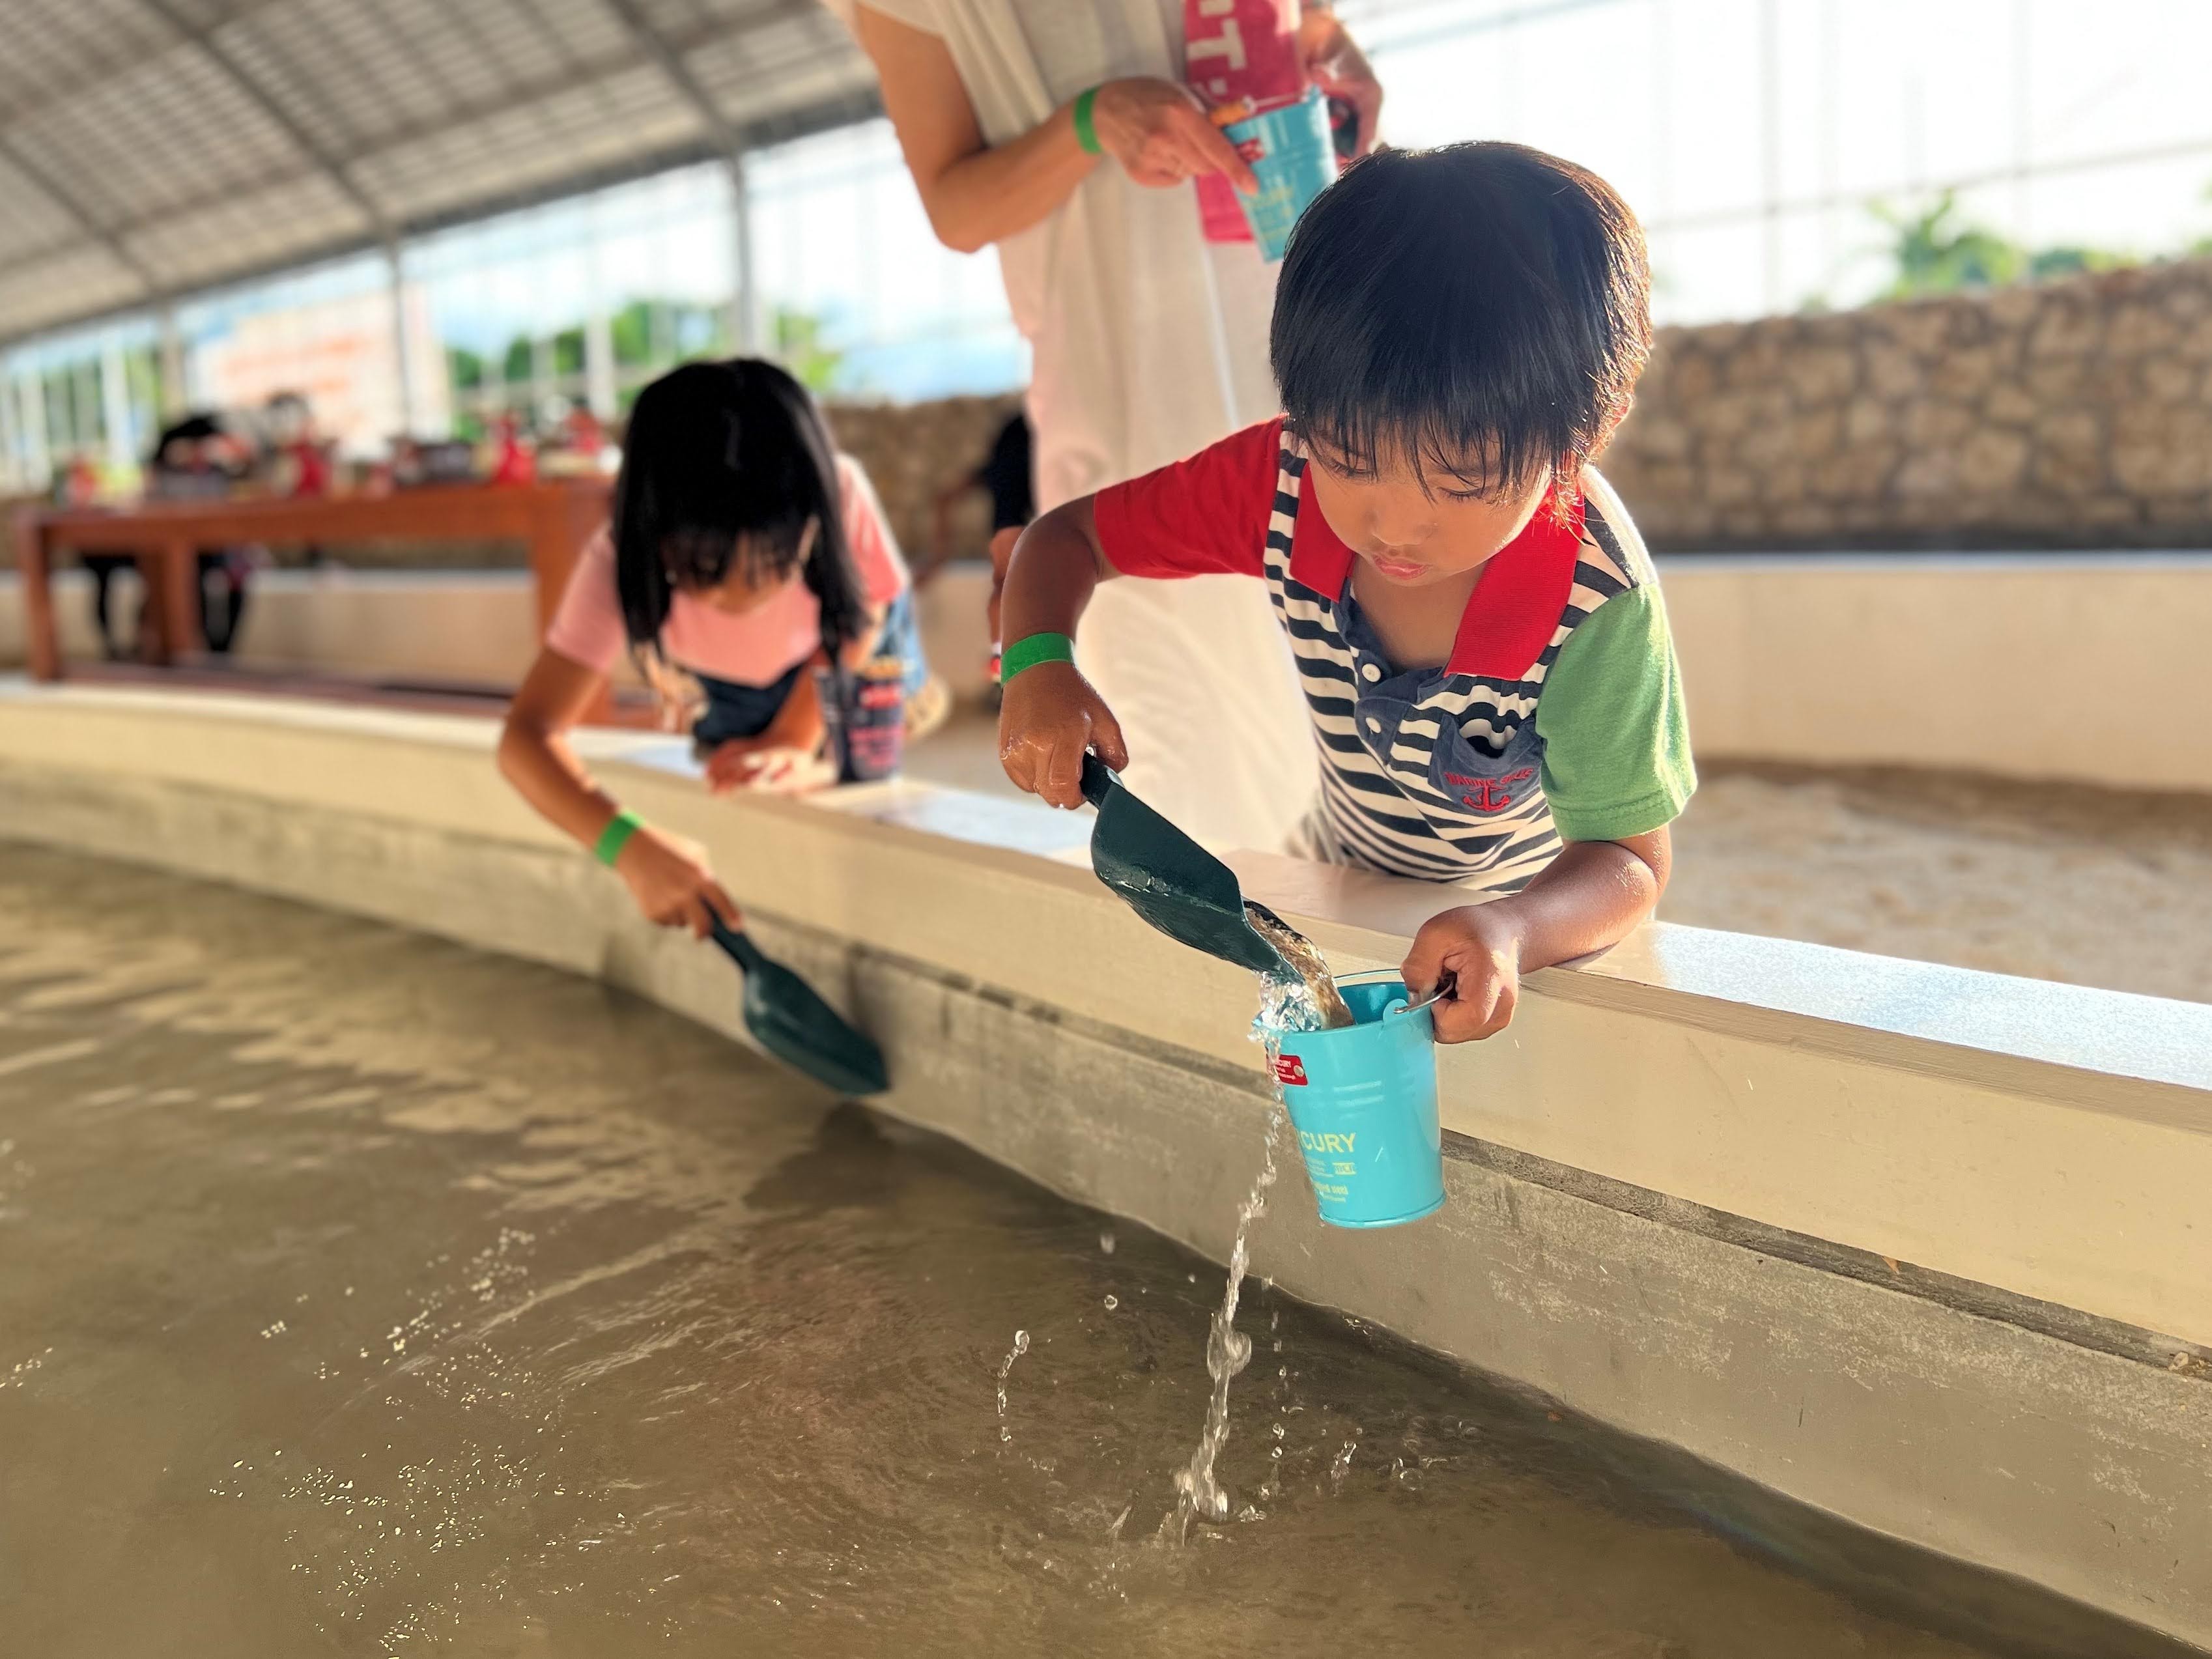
(743, 555)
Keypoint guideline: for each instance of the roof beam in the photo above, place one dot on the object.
(204, 39)
(664, 56)
(100, 234)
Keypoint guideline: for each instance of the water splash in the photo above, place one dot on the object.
(1006, 1367)
(1228, 1350)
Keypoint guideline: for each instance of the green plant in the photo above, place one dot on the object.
(1937, 254)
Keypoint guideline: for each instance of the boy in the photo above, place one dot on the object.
(1477, 628)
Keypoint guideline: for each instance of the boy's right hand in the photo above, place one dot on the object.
(1049, 717)
(671, 881)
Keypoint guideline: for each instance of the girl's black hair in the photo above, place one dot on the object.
(724, 466)
(1482, 308)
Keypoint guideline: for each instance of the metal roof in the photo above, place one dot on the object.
(154, 148)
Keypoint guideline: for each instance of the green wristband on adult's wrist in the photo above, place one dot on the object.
(1029, 652)
(616, 836)
(1086, 134)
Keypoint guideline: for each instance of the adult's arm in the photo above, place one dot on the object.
(975, 193)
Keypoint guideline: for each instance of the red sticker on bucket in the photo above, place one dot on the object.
(1290, 1070)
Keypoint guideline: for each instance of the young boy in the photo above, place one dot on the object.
(1477, 628)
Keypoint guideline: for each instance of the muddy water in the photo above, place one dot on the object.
(363, 1295)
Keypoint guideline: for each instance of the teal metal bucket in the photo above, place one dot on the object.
(1363, 1099)
(1294, 157)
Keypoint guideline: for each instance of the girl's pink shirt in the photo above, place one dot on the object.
(757, 648)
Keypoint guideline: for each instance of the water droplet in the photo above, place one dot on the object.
(1106, 1242)
(1112, 1303)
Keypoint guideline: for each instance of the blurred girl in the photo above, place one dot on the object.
(744, 554)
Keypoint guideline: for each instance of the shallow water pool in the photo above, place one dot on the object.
(361, 1294)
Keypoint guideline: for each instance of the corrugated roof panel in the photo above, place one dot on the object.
(247, 228)
(80, 280)
(55, 48)
(170, 130)
(589, 127)
(31, 221)
(435, 109)
(285, 52)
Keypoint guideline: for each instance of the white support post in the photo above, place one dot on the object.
(13, 471)
(1769, 111)
(38, 449)
(747, 326)
(115, 405)
(599, 360)
(176, 396)
(403, 358)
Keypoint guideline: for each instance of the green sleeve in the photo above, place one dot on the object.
(1616, 740)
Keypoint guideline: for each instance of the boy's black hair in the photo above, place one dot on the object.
(726, 463)
(1482, 309)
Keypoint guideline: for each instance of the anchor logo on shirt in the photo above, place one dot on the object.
(1489, 796)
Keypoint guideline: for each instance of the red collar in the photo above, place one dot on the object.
(1514, 608)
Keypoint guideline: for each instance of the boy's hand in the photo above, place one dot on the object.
(1049, 717)
(1478, 946)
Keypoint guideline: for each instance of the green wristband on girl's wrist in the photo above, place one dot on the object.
(1029, 652)
(1086, 134)
(616, 836)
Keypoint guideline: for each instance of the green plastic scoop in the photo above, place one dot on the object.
(1171, 880)
(791, 1022)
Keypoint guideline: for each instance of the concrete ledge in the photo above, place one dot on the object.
(1918, 1246)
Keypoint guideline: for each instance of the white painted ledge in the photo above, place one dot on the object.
(2049, 1140)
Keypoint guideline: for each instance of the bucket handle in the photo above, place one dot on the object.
(1382, 975)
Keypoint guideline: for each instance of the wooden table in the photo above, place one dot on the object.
(552, 518)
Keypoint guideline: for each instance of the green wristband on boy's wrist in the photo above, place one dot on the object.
(1029, 652)
(616, 836)
(1086, 133)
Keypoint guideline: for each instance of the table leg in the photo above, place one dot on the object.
(34, 567)
(172, 589)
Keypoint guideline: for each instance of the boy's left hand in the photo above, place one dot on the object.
(1478, 947)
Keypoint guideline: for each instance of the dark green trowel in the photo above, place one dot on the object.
(1171, 880)
(791, 1022)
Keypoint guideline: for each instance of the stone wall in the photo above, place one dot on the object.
(2068, 414)
(912, 452)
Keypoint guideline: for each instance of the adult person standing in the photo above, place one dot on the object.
(1061, 132)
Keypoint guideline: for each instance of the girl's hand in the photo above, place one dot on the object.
(762, 762)
(1340, 70)
(1478, 947)
(1049, 717)
(669, 878)
(1158, 131)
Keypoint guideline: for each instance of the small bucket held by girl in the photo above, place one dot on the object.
(1363, 1099)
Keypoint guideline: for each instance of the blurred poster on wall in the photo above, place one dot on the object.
(340, 355)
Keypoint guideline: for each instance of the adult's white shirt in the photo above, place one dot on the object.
(1149, 343)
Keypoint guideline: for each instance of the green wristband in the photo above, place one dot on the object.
(616, 836)
(1029, 652)
(1085, 134)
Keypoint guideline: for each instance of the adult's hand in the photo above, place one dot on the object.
(1335, 65)
(1158, 131)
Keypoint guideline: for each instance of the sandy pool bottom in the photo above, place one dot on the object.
(2062, 882)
